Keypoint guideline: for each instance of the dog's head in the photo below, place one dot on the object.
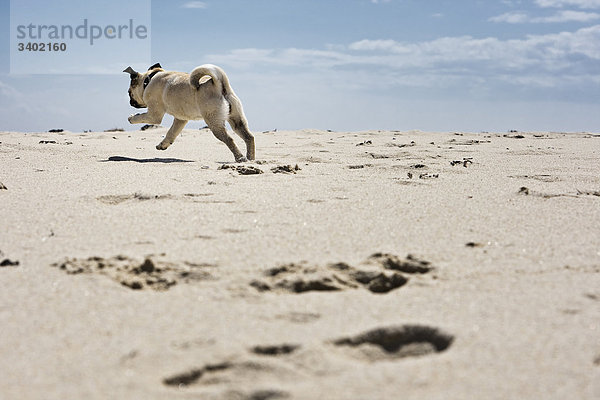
(138, 83)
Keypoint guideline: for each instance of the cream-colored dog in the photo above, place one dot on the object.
(205, 94)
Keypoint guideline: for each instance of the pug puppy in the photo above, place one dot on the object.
(205, 93)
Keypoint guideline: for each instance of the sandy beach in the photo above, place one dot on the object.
(339, 265)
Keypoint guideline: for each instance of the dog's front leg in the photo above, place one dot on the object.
(174, 130)
(146, 118)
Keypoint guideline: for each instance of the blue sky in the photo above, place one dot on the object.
(445, 65)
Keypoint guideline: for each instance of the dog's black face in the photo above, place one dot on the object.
(133, 102)
(136, 88)
(138, 83)
(136, 91)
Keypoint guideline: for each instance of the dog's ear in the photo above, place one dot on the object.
(133, 74)
(157, 65)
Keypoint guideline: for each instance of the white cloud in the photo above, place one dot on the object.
(536, 60)
(194, 4)
(380, 1)
(589, 4)
(511, 18)
(560, 16)
(534, 49)
(569, 16)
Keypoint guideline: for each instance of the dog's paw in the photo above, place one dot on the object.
(162, 145)
(241, 159)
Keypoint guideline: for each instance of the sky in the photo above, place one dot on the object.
(439, 65)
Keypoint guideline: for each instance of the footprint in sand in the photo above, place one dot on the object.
(245, 377)
(380, 273)
(546, 178)
(245, 373)
(396, 342)
(194, 375)
(525, 191)
(121, 198)
(266, 364)
(297, 278)
(299, 317)
(117, 199)
(136, 275)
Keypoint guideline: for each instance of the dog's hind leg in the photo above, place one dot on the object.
(240, 126)
(238, 121)
(172, 133)
(218, 129)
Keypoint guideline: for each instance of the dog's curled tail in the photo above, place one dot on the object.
(204, 74)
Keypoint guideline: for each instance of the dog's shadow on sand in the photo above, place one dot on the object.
(147, 160)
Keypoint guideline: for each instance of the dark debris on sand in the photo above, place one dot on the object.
(275, 350)
(409, 265)
(251, 170)
(464, 162)
(285, 169)
(242, 169)
(6, 262)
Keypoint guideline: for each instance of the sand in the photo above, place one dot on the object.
(369, 265)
